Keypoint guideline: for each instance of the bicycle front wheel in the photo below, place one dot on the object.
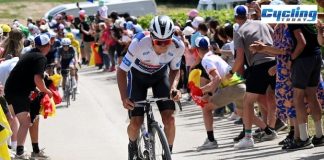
(160, 146)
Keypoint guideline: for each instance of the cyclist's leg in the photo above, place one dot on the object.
(137, 90)
(162, 89)
(73, 73)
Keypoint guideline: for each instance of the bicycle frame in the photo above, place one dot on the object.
(150, 129)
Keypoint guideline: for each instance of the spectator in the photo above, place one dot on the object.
(17, 92)
(87, 39)
(258, 79)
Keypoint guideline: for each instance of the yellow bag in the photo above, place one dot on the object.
(5, 134)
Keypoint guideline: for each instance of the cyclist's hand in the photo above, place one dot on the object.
(128, 104)
(175, 94)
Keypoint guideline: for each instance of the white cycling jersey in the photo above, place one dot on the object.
(142, 56)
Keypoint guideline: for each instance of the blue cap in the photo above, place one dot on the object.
(240, 10)
(42, 40)
(202, 42)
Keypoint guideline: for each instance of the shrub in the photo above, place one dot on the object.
(222, 16)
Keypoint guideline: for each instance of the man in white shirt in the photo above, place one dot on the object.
(220, 91)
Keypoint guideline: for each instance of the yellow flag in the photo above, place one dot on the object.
(4, 135)
(194, 76)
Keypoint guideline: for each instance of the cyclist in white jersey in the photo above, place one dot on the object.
(151, 61)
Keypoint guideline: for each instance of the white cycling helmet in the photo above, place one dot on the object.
(66, 42)
(161, 27)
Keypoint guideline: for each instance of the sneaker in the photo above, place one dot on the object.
(280, 125)
(24, 156)
(208, 145)
(244, 143)
(257, 132)
(287, 140)
(299, 144)
(239, 137)
(238, 122)
(318, 141)
(233, 117)
(268, 137)
(287, 144)
(39, 156)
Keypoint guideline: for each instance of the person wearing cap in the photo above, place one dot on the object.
(220, 91)
(30, 68)
(192, 14)
(6, 29)
(257, 79)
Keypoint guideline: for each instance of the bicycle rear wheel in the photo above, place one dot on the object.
(160, 146)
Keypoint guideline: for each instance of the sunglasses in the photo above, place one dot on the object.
(164, 42)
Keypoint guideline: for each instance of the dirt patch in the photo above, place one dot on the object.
(22, 10)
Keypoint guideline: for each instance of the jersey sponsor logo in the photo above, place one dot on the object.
(170, 54)
(147, 67)
(126, 61)
(146, 53)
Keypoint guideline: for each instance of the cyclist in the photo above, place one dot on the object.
(151, 61)
(66, 59)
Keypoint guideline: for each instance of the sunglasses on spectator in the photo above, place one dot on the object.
(160, 42)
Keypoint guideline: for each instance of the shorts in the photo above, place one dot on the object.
(4, 105)
(20, 103)
(306, 72)
(139, 83)
(258, 79)
(227, 95)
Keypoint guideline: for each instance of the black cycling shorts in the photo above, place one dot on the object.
(20, 103)
(258, 78)
(139, 83)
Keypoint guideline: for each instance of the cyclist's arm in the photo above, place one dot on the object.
(174, 77)
(122, 83)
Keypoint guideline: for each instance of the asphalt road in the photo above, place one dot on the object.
(94, 128)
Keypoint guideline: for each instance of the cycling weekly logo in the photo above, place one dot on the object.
(295, 14)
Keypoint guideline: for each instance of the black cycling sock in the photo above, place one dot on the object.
(210, 135)
(292, 131)
(35, 147)
(170, 147)
(268, 130)
(133, 144)
(243, 127)
(20, 150)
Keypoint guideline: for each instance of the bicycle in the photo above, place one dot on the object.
(69, 91)
(150, 148)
